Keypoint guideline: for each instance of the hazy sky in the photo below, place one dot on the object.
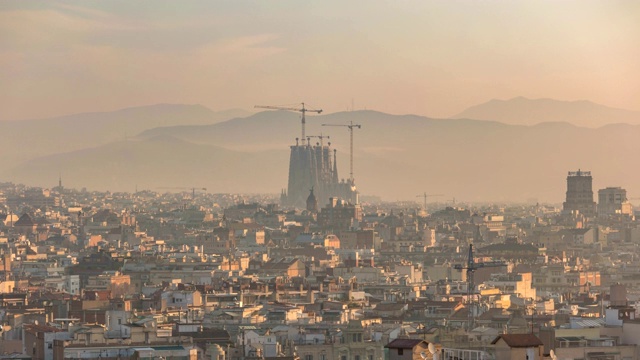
(430, 58)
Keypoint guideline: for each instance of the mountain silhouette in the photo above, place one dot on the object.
(395, 157)
(523, 111)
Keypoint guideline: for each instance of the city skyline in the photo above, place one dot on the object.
(290, 180)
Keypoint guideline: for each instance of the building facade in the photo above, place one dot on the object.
(580, 193)
(613, 201)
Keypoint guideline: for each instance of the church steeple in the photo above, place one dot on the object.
(59, 188)
(312, 202)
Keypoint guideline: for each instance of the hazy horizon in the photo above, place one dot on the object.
(250, 111)
(427, 58)
(433, 59)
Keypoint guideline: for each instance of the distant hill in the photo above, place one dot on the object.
(154, 163)
(26, 139)
(523, 111)
(396, 157)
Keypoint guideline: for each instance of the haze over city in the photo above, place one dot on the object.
(517, 63)
(328, 180)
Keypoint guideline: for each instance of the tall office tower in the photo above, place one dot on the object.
(580, 193)
(314, 167)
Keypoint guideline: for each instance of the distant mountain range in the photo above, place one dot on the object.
(396, 156)
(523, 111)
(27, 139)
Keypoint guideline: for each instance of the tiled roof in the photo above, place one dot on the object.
(283, 264)
(390, 306)
(33, 328)
(403, 343)
(25, 220)
(519, 340)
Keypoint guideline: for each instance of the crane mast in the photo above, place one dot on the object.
(471, 266)
(425, 196)
(351, 126)
(301, 109)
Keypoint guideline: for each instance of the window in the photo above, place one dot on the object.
(119, 321)
(343, 357)
(308, 357)
(400, 351)
(357, 357)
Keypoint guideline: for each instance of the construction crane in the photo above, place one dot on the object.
(471, 266)
(425, 196)
(351, 126)
(302, 110)
(193, 190)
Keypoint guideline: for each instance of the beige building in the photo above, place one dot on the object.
(115, 282)
(351, 346)
(412, 271)
(518, 346)
(408, 349)
(517, 284)
(140, 339)
(613, 201)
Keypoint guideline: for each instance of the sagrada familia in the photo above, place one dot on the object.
(314, 168)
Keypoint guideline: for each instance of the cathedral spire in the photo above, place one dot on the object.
(335, 167)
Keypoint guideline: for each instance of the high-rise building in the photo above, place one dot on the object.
(612, 201)
(580, 193)
(314, 167)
